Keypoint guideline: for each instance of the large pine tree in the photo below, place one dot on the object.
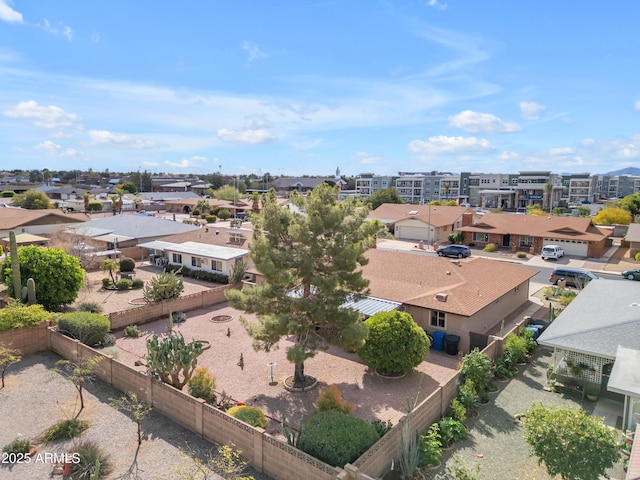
(309, 257)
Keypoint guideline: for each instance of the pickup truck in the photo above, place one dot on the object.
(552, 251)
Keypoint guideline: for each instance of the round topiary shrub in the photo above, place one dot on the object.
(137, 283)
(124, 284)
(521, 255)
(637, 257)
(336, 438)
(211, 218)
(127, 264)
(202, 385)
(224, 214)
(107, 283)
(490, 247)
(251, 415)
(89, 328)
(395, 343)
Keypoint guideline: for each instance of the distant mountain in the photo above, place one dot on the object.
(625, 171)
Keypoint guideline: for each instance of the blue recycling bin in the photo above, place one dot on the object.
(438, 340)
(535, 329)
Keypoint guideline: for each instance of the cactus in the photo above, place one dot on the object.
(171, 358)
(15, 265)
(31, 291)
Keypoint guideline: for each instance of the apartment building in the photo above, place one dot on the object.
(368, 183)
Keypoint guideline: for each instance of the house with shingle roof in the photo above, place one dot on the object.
(577, 236)
(429, 223)
(600, 329)
(469, 298)
(285, 185)
(37, 222)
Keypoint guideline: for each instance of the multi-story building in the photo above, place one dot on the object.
(489, 190)
(617, 186)
(537, 188)
(579, 188)
(415, 187)
(367, 183)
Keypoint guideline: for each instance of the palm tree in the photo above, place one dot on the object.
(203, 206)
(86, 197)
(120, 195)
(447, 189)
(548, 189)
(110, 265)
(114, 203)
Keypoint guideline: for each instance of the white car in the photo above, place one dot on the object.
(552, 251)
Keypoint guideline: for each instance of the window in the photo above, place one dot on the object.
(480, 237)
(177, 258)
(526, 241)
(438, 319)
(216, 265)
(196, 262)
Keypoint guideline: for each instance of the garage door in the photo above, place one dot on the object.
(570, 247)
(411, 233)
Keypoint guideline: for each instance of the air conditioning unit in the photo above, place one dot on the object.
(442, 297)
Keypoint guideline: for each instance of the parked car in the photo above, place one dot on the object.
(458, 251)
(631, 274)
(574, 277)
(552, 251)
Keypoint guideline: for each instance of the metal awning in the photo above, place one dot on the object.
(157, 245)
(625, 375)
(371, 305)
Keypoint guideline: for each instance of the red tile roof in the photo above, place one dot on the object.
(437, 215)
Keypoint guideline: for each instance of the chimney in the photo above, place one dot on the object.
(442, 297)
(467, 219)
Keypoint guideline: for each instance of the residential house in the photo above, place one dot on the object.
(286, 185)
(577, 236)
(37, 222)
(633, 238)
(429, 223)
(588, 336)
(469, 298)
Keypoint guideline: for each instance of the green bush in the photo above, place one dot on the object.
(476, 367)
(127, 264)
(202, 385)
(457, 410)
(107, 283)
(490, 247)
(211, 218)
(336, 438)
(467, 396)
(451, 431)
(131, 331)
(95, 206)
(251, 415)
(199, 274)
(18, 315)
(88, 454)
(637, 257)
(92, 307)
(431, 446)
(17, 446)
(521, 255)
(195, 213)
(224, 214)
(516, 347)
(137, 283)
(124, 284)
(8, 193)
(381, 426)
(331, 399)
(89, 328)
(163, 286)
(395, 343)
(65, 429)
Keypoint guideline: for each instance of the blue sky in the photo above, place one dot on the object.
(302, 87)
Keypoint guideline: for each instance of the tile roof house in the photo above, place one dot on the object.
(468, 298)
(429, 223)
(603, 318)
(37, 222)
(633, 237)
(300, 184)
(577, 236)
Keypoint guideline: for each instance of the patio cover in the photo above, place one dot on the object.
(371, 305)
(27, 238)
(625, 375)
(157, 245)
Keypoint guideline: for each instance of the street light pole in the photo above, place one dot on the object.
(140, 176)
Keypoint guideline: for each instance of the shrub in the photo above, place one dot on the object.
(89, 328)
(107, 283)
(251, 415)
(211, 218)
(336, 438)
(65, 429)
(163, 286)
(89, 453)
(137, 283)
(127, 264)
(451, 431)
(395, 343)
(202, 385)
(8, 193)
(18, 446)
(195, 213)
(521, 255)
(131, 331)
(515, 347)
(476, 367)
(467, 396)
(95, 206)
(178, 317)
(17, 315)
(637, 257)
(224, 214)
(92, 307)
(109, 340)
(431, 446)
(457, 410)
(490, 247)
(124, 284)
(331, 399)
(381, 426)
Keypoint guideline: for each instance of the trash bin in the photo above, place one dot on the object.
(438, 340)
(451, 344)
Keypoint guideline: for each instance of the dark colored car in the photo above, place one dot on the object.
(574, 277)
(631, 274)
(458, 251)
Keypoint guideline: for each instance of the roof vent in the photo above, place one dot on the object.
(442, 297)
(413, 212)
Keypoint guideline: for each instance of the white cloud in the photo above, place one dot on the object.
(251, 137)
(436, 4)
(364, 158)
(257, 122)
(104, 137)
(59, 29)
(8, 14)
(54, 150)
(95, 37)
(509, 156)
(475, 122)
(43, 117)
(310, 145)
(253, 51)
(561, 151)
(587, 142)
(186, 162)
(531, 110)
(442, 145)
(638, 105)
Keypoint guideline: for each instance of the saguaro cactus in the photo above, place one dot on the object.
(15, 265)
(31, 291)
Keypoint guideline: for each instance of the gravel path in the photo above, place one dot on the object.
(36, 397)
(497, 441)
